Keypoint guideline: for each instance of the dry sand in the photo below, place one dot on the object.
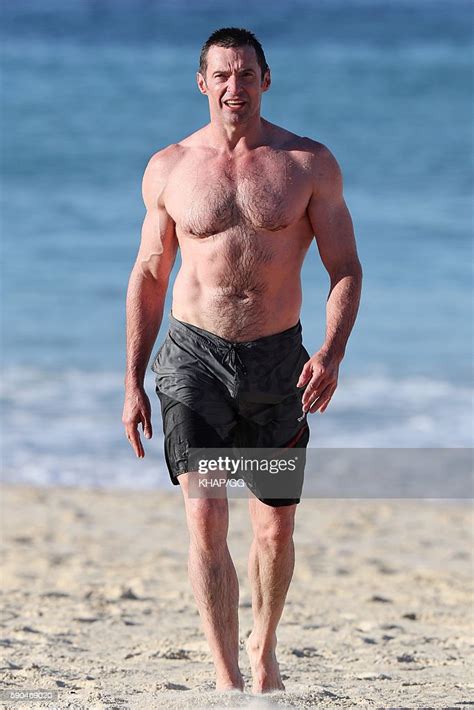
(98, 607)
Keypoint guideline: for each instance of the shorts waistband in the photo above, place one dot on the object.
(294, 331)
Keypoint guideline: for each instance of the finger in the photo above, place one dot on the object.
(135, 442)
(305, 375)
(132, 440)
(318, 400)
(323, 399)
(147, 429)
(311, 391)
(141, 450)
(324, 407)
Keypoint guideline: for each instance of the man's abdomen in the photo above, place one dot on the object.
(238, 315)
(240, 285)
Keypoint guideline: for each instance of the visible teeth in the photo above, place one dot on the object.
(234, 103)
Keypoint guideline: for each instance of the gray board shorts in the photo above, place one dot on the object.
(219, 394)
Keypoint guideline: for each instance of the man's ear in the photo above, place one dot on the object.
(201, 82)
(267, 80)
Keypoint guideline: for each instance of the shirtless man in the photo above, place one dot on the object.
(243, 199)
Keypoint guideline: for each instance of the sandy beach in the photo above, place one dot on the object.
(97, 604)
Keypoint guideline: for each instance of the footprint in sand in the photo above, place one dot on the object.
(11, 666)
(170, 686)
(379, 598)
(87, 619)
(22, 540)
(29, 630)
(171, 654)
(391, 627)
(406, 658)
(306, 652)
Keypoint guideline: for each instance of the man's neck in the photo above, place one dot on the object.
(243, 137)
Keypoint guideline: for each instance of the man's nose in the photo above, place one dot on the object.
(233, 85)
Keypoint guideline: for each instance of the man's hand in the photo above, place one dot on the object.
(136, 410)
(320, 375)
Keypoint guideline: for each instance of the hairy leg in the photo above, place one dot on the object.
(214, 583)
(271, 564)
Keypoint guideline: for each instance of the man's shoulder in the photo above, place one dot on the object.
(157, 172)
(161, 164)
(318, 160)
(308, 148)
(312, 151)
(314, 157)
(165, 159)
(315, 148)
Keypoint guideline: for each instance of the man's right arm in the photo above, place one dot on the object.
(146, 295)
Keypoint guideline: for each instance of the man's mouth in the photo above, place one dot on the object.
(234, 103)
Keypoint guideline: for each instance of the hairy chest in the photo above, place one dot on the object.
(214, 196)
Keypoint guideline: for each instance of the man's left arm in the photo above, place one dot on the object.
(334, 232)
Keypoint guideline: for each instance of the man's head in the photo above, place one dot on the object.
(233, 74)
(232, 37)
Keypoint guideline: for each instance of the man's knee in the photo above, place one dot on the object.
(207, 522)
(275, 532)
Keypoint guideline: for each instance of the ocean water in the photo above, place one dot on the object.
(92, 89)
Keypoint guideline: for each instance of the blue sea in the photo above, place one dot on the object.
(92, 88)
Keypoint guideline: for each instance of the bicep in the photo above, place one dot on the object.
(158, 244)
(331, 221)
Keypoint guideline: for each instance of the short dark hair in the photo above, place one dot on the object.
(232, 37)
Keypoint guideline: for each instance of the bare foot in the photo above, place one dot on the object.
(265, 670)
(224, 684)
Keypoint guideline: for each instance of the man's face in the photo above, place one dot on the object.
(233, 83)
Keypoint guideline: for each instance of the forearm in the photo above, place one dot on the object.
(145, 303)
(341, 310)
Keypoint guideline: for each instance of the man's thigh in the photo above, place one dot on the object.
(187, 429)
(278, 449)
